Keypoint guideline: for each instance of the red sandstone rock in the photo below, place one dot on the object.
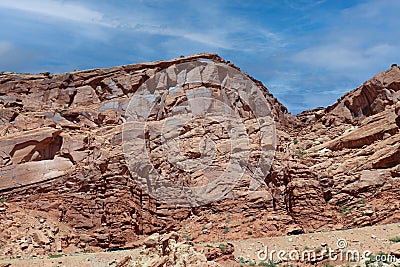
(61, 154)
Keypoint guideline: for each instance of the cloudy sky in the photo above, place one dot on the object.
(307, 52)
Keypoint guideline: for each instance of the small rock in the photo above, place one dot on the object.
(42, 220)
(150, 243)
(373, 236)
(208, 225)
(86, 238)
(369, 212)
(152, 240)
(55, 230)
(171, 235)
(101, 238)
(395, 249)
(59, 246)
(158, 262)
(41, 238)
(124, 261)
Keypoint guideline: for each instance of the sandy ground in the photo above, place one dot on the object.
(374, 239)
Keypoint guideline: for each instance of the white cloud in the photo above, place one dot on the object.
(303, 4)
(332, 56)
(213, 30)
(58, 10)
(5, 47)
(203, 38)
(361, 39)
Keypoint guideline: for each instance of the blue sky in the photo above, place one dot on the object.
(308, 53)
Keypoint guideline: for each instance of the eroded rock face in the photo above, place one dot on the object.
(352, 148)
(371, 98)
(61, 154)
(62, 146)
(194, 130)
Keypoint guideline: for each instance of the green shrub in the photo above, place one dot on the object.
(56, 256)
(268, 264)
(395, 239)
(222, 247)
(362, 201)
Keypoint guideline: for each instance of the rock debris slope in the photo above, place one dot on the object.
(65, 185)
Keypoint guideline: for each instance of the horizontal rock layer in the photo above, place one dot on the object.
(61, 154)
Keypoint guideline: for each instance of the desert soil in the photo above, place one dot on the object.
(373, 238)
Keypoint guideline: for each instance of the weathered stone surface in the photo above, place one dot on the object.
(45, 142)
(85, 95)
(33, 172)
(395, 250)
(61, 155)
(369, 99)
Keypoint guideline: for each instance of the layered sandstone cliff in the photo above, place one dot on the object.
(65, 183)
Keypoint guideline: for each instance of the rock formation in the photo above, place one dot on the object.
(62, 159)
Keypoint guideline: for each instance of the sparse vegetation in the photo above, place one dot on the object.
(345, 210)
(187, 237)
(242, 261)
(395, 239)
(268, 264)
(249, 233)
(226, 229)
(361, 201)
(300, 152)
(357, 164)
(222, 247)
(3, 200)
(56, 256)
(295, 141)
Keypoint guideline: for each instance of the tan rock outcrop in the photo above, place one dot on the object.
(61, 154)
